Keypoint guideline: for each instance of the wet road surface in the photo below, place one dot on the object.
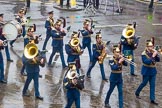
(95, 90)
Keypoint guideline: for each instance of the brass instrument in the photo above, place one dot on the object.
(128, 32)
(103, 55)
(158, 48)
(30, 51)
(4, 43)
(128, 60)
(75, 44)
(51, 20)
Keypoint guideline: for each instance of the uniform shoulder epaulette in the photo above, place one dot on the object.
(144, 53)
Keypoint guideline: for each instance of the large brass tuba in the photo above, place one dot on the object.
(30, 51)
(128, 32)
(75, 44)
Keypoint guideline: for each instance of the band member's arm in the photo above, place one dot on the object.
(86, 32)
(47, 25)
(147, 60)
(155, 56)
(123, 41)
(113, 65)
(68, 84)
(125, 63)
(18, 19)
(96, 54)
(54, 34)
(1, 42)
(68, 49)
(62, 34)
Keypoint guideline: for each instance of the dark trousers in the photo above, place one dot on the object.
(1, 67)
(62, 2)
(101, 69)
(27, 3)
(120, 92)
(35, 77)
(71, 100)
(89, 50)
(7, 52)
(151, 79)
(151, 4)
(45, 42)
(60, 50)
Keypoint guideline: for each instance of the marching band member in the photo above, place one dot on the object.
(86, 41)
(116, 76)
(20, 18)
(48, 25)
(2, 64)
(2, 36)
(97, 51)
(32, 69)
(29, 37)
(74, 51)
(72, 86)
(149, 58)
(57, 43)
(129, 43)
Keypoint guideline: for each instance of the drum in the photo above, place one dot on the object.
(12, 29)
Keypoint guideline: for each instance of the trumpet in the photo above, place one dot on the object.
(158, 48)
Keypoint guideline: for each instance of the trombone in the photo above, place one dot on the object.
(130, 62)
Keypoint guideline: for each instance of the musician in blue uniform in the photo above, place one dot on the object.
(86, 41)
(129, 43)
(97, 51)
(2, 64)
(2, 36)
(32, 69)
(21, 19)
(48, 25)
(29, 36)
(72, 93)
(57, 42)
(74, 50)
(116, 76)
(149, 58)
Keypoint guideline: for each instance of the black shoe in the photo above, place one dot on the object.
(3, 81)
(153, 102)
(23, 74)
(137, 96)
(11, 44)
(26, 94)
(106, 80)
(133, 75)
(9, 60)
(49, 65)
(39, 97)
(40, 76)
(107, 106)
(64, 67)
(88, 76)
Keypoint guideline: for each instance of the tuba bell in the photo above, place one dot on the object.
(128, 32)
(74, 42)
(72, 72)
(30, 51)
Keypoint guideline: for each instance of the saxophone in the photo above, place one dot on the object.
(51, 20)
(103, 54)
